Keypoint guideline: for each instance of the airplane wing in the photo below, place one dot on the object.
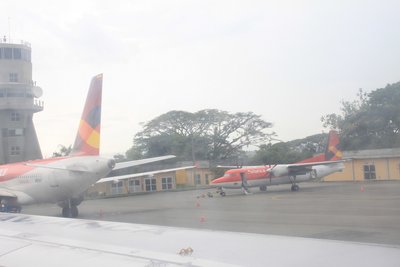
(133, 175)
(127, 164)
(27, 240)
(6, 193)
(301, 168)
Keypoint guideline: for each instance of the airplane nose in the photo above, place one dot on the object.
(111, 164)
(216, 181)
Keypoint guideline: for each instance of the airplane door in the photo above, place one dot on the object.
(53, 180)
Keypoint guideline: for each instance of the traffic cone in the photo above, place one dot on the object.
(202, 219)
(362, 188)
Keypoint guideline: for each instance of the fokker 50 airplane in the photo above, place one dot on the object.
(263, 176)
(63, 180)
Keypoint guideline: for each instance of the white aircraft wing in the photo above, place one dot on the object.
(133, 175)
(6, 193)
(27, 240)
(127, 164)
(302, 168)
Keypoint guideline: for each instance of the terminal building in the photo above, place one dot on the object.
(155, 181)
(19, 100)
(369, 165)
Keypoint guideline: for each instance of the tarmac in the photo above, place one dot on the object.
(367, 212)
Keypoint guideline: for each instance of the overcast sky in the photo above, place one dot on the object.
(289, 61)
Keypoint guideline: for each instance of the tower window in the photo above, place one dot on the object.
(7, 53)
(15, 150)
(14, 77)
(26, 55)
(15, 132)
(15, 116)
(17, 53)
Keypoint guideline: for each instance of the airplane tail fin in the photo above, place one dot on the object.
(87, 141)
(333, 150)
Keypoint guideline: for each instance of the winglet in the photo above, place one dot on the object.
(333, 150)
(87, 141)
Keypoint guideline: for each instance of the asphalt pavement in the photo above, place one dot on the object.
(351, 211)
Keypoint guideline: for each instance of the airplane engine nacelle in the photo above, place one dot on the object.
(280, 170)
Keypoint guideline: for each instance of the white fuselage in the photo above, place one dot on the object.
(52, 180)
(317, 172)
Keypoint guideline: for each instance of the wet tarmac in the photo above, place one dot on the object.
(361, 212)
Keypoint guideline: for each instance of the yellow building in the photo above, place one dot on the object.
(364, 165)
(163, 180)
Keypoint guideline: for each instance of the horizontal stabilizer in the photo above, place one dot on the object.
(127, 164)
(133, 175)
(62, 168)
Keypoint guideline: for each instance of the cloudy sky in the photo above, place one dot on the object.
(289, 61)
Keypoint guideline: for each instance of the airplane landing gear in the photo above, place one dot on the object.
(295, 187)
(70, 207)
(221, 191)
(70, 212)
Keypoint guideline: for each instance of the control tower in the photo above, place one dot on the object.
(19, 100)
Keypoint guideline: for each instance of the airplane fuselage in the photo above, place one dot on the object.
(260, 176)
(52, 180)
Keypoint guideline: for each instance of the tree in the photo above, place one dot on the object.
(372, 121)
(63, 151)
(207, 134)
(290, 152)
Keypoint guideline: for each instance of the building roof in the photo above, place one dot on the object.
(372, 153)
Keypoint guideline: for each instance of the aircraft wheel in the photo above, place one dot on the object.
(295, 187)
(74, 212)
(222, 193)
(263, 188)
(68, 212)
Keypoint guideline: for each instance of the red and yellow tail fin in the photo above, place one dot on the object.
(333, 150)
(87, 141)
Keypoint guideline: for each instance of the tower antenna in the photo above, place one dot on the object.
(9, 30)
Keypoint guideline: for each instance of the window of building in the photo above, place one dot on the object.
(7, 52)
(17, 53)
(26, 55)
(166, 183)
(369, 172)
(15, 132)
(15, 116)
(14, 77)
(15, 150)
(117, 188)
(16, 92)
(134, 185)
(197, 179)
(151, 184)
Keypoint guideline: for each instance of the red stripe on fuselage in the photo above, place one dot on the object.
(14, 170)
(252, 174)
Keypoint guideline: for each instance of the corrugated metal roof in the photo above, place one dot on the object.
(372, 153)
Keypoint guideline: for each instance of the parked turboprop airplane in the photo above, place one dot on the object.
(263, 176)
(63, 180)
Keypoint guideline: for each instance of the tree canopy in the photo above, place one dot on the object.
(207, 134)
(372, 121)
(290, 152)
